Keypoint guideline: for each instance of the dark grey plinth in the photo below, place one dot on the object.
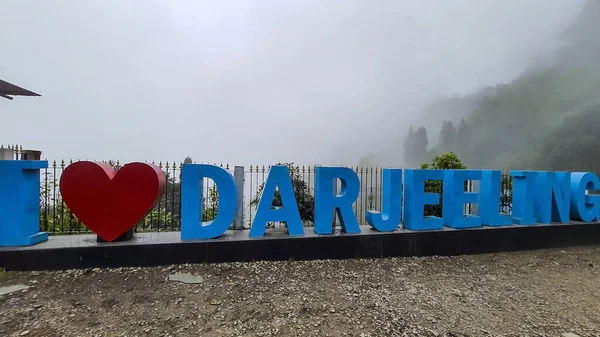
(124, 237)
(152, 249)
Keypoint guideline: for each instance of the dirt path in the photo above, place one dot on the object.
(540, 293)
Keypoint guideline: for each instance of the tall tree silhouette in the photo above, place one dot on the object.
(415, 147)
(447, 137)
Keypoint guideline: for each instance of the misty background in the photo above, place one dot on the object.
(335, 82)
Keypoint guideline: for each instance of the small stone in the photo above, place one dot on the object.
(12, 289)
(186, 278)
(215, 302)
(569, 334)
(95, 270)
(24, 333)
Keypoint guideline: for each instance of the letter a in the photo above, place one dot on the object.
(278, 176)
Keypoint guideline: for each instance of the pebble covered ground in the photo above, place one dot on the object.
(534, 293)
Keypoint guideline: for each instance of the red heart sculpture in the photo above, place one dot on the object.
(110, 202)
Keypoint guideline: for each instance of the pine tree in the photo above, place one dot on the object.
(447, 137)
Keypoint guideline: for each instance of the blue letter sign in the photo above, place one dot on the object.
(415, 199)
(192, 177)
(391, 206)
(537, 197)
(326, 202)
(455, 198)
(524, 183)
(20, 202)
(584, 207)
(489, 205)
(553, 193)
(278, 176)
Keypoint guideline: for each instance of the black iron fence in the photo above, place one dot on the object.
(56, 218)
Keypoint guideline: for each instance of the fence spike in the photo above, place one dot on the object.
(250, 168)
(62, 163)
(221, 164)
(167, 166)
(227, 166)
(263, 169)
(303, 169)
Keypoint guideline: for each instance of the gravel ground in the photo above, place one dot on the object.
(538, 293)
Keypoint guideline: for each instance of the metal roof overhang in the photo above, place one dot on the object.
(7, 90)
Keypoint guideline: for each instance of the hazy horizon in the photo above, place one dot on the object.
(142, 80)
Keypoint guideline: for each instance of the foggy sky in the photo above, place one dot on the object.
(253, 82)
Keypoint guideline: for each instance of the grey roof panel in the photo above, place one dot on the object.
(7, 90)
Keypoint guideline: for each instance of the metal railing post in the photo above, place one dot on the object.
(238, 175)
(475, 186)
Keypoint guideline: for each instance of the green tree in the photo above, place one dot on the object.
(575, 145)
(511, 124)
(447, 136)
(462, 135)
(415, 146)
(210, 205)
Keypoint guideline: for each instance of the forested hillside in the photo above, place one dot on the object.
(548, 118)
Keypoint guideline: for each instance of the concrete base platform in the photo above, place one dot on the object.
(29, 240)
(152, 249)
